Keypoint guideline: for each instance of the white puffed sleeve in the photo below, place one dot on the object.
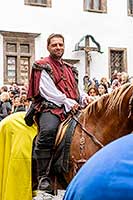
(49, 91)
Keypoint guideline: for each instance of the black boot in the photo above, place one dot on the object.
(44, 181)
(44, 191)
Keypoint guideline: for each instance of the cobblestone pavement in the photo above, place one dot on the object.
(60, 195)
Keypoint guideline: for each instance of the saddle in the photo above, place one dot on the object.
(60, 162)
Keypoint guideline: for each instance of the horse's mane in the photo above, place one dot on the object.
(108, 102)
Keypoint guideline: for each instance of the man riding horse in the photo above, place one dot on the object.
(53, 89)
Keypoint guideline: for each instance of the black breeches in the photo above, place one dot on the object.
(48, 125)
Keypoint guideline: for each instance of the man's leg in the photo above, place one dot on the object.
(48, 125)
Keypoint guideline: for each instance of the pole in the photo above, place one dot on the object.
(87, 60)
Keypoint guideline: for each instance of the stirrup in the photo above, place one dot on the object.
(42, 195)
(45, 185)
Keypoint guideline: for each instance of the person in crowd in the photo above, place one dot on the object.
(118, 77)
(4, 88)
(105, 81)
(11, 96)
(113, 76)
(16, 88)
(18, 104)
(53, 89)
(124, 78)
(108, 174)
(22, 91)
(102, 89)
(86, 82)
(5, 106)
(115, 84)
(93, 92)
(24, 101)
(95, 81)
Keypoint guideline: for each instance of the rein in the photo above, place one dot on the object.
(130, 106)
(94, 139)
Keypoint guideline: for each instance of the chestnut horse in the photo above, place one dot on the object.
(104, 120)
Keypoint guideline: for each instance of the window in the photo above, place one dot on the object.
(18, 53)
(45, 3)
(118, 60)
(11, 68)
(130, 7)
(95, 6)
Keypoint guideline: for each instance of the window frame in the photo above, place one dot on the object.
(48, 4)
(103, 5)
(18, 39)
(124, 50)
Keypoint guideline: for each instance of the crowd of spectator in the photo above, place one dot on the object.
(14, 98)
(97, 88)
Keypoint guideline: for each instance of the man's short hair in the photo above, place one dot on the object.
(54, 35)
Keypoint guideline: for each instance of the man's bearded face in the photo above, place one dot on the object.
(56, 47)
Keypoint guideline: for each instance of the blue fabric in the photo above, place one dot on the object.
(106, 175)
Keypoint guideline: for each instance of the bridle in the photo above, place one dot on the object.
(130, 106)
(94, 139)
(82, 159)
(91, 135)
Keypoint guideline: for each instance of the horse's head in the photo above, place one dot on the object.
(111, 114)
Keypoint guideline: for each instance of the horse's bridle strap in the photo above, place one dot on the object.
(95, 140)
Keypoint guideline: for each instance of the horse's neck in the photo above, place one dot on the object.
(106, 128)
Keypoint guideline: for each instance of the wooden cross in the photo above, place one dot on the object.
(87, 50)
